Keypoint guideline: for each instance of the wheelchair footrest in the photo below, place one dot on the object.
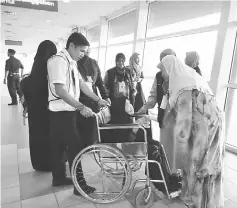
(175, 194)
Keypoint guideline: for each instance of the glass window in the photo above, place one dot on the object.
(203, 43)
(174, 16)
(122, 28)
(101, 60)
(233, 74)
(93, 36)
(232, 120)
(94, 53)
(113, 51)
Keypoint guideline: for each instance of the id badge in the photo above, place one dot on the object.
(89, 79)
(164, 102)
(122, 87)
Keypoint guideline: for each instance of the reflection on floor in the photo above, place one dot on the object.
(22, 187)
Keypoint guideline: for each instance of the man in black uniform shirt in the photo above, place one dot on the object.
(91, 74)
(12, 75)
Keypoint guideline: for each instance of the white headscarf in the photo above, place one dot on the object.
(182, 78)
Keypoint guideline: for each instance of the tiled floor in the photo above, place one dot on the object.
(22, 187)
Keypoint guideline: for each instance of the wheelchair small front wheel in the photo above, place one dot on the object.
(141, 198)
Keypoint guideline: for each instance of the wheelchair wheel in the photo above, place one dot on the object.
(134, 165)
(109, 187)
(141, 199)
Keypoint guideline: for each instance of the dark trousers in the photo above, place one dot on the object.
(13, 84)
(88, 130)
(64, 136)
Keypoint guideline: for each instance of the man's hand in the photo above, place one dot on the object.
(86, 112)
(103, 103)
(142, 110)
(4, 81)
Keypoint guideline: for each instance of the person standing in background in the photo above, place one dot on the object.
(119, 82)
(91, 75)
(137, 75)
(192, 60)
(35, 91)
(12, 76)
(157, 91)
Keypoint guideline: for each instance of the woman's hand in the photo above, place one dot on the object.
(129, 108)
(108, 100)
(165, 87)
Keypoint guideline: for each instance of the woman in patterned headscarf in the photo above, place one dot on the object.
(196, 128)
(137, 76)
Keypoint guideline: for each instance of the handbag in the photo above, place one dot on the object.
(104, 116)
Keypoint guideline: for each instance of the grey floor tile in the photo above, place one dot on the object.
(9, 170)
(120, 204)
(9, 181)
(228, 189)
(230, 175)
(35, 184)
(230, 204)
(66, 198)
(12, 205)
(83, 205)
(10, 195)
(234, 199)
(46, 201)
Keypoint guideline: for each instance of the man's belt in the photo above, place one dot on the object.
(13, 73)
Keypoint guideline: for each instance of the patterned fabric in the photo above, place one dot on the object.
(181, 77)
(196, 127)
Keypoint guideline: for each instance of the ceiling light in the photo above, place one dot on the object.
(8, 24)
(48, 21)
(66, 1)
(8, 13)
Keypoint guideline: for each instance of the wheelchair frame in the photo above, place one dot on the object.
(146, 195)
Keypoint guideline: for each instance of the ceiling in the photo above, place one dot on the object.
(33, 26)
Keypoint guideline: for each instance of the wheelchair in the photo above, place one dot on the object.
(115, 163)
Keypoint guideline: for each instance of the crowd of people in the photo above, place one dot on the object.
(61, 94)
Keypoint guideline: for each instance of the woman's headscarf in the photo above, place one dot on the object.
(181, 78)
(38, 76)
(135, 68)
(120, 56)
(192, 60)
(166, 52)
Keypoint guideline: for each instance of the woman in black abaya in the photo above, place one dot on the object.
(35, 90)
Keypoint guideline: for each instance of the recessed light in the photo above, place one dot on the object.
(48, 21)
(66, 1)
(8, 24)
(8, 13)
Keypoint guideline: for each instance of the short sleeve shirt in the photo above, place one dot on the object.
(62, 69)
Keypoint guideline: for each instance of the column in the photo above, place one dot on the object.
(224, 51)
(104, 26)
(141, 25)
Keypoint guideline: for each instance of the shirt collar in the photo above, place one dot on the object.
(65, 52)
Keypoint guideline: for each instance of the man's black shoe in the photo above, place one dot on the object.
(13, 104)
(62, 182)
(87, 189)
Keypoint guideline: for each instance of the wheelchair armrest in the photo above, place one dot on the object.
(120, 126)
